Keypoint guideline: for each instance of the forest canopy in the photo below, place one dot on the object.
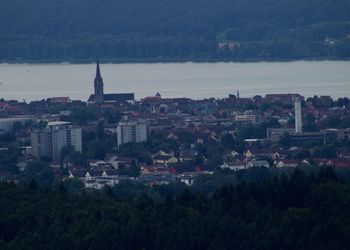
(174, 29)
(302, 211)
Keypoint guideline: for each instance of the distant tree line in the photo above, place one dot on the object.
(182, 29)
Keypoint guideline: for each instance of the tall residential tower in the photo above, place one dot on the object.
(51, 140)
(298, 120)
(131, 132)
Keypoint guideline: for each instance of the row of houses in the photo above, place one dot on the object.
(280, 158)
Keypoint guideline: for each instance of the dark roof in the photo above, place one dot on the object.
(98, 72)
(118, 97)
(78, 173)
(162, 157)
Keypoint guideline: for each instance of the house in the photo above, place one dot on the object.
(157, 169)
(172, 136)
(339, 163)
(97, 163)
(188, 180)
(112, 173)
(60, 100)
(233, 158)
(257, 163)
(77, 173)
(266, 153)
(161, 124)
(344, 153)
(290, 163)
(200, 141)
(164, 159)
(3, 106)
(320, 161)
(163, 153)
(117, 161)
(187, 155)
(231, 155)
(234, 165)
(88, 176)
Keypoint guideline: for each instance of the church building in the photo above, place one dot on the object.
(100, 97)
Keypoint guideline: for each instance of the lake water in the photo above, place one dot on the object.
(194, 80)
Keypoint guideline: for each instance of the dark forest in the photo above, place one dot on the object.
(174, 30)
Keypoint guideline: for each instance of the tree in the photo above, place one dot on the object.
(33, 185)
(286, 139)
(228, 141)
(100, 132)
(17, 126)
(310, 122)
(325, 151)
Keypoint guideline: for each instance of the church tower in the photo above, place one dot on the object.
(98, 84)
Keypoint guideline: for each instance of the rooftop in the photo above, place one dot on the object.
(57, 123)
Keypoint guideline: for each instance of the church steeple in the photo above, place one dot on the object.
(98, 73)
(98, 84)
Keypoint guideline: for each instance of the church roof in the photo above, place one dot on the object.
(98, 72)
(116, 97)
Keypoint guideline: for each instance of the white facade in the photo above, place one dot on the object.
(245, 118)
(298, 120)
(134, 132)
(49, 141)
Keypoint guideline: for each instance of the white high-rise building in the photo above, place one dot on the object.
(50, 140)
(298, 120)
(134, 132)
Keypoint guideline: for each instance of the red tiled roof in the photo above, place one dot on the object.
(3, 105)
(61, 99)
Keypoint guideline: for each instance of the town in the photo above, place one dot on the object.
(112, 138)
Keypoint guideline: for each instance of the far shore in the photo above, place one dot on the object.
(165, 60)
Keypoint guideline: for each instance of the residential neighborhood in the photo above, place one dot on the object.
(157, 140)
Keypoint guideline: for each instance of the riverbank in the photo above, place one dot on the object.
(166, 60)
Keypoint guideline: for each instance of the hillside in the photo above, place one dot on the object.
(174, 29)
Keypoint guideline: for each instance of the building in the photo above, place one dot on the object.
(284, 98)
(275, 134)
(61, 100)
(6, 124)
(245, 118)
(318, 137)
(334, 134)
(131, 132)
(298, 120)
(258, 164)
(100, 97)
(49, 141)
